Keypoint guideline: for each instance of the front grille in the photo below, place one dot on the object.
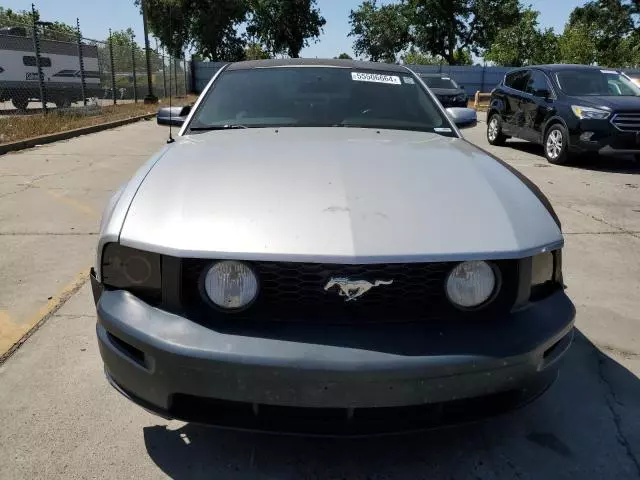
(296, 291)
(627, 122)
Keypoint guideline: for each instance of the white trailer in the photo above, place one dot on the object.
(60, 68)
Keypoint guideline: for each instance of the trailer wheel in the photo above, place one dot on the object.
(21, 103)
(63, 102)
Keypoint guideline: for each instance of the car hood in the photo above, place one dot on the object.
(335, 195)
(615, 103)
(447, 91)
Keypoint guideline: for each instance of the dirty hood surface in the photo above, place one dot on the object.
(344, 195)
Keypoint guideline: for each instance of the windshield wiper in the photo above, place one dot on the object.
(218, 127)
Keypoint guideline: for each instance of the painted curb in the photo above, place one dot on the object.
(67, 134)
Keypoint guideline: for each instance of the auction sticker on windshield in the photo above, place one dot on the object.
(375, 77)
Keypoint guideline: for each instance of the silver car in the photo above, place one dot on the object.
(321, 251)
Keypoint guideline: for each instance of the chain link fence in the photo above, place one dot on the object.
(43, 69)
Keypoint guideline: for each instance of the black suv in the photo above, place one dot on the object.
(446, 89)
(569, 109)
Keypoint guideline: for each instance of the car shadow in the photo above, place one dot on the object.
(594, 162)
(576, 430)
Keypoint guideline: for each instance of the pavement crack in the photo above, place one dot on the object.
(16, 192)
(618, 351)
(611, 401)
(598, 219)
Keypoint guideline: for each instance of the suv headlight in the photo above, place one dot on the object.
(590, 113)
(471, 284)
(133, 270)
(231, 285)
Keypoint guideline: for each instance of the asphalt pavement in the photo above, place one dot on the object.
(59, 418)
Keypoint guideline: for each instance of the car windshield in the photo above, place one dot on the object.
(318, 97)
(440, 82)
(596, 82)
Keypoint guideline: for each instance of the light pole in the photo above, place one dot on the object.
(150, 97)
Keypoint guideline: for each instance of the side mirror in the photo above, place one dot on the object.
(463, 117)
(175, 116)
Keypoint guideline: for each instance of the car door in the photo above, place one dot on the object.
(536, 105)
(515, 84)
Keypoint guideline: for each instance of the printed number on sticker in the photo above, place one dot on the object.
(375, 77)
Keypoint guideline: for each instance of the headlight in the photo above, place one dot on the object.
(470, 284)
(590, 113)
(231, 285)
(133, 270)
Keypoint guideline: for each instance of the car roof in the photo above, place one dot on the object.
(559, 67)
(317, 62)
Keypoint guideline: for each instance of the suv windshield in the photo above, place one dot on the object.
(318, 97)
(440, 82)
(596, 82)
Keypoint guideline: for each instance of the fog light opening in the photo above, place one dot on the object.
(586, 136)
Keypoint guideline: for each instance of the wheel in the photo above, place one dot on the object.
(494, 131)
(556, 146)
(20, 103)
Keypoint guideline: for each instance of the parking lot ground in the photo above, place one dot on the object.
(59, 418)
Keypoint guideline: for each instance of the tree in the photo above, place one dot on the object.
(380, 32)
(578, 45)
(254, 51)
(344, 56)
(55, 31)
(285, 26)
(608, 23)
(209, 26)
(444, 27)
(123, 45)
(524, 43)
(414, 57)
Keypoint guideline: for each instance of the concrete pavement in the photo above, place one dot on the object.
(59, 417)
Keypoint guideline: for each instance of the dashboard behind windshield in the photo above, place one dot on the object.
(319, 96)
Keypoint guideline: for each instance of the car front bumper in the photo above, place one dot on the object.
(410, 374)
(605, 139)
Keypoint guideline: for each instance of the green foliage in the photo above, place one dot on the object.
(606, 25)
(578, 45)
(446, 28)
(524, 43)
(343, 56)
(414, 57)
(254, 51)
(56, 31)
(285, 26)
(211, 27)
(380, 31)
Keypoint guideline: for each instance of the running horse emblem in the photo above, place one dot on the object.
(353, 289)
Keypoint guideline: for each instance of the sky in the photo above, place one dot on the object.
(97, 17)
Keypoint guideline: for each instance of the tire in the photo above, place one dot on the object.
(21, 103)
(62, 102)
(556, 145)
(494, 131)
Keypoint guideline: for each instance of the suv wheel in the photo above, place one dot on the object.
(494, 131)
(556, 145)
